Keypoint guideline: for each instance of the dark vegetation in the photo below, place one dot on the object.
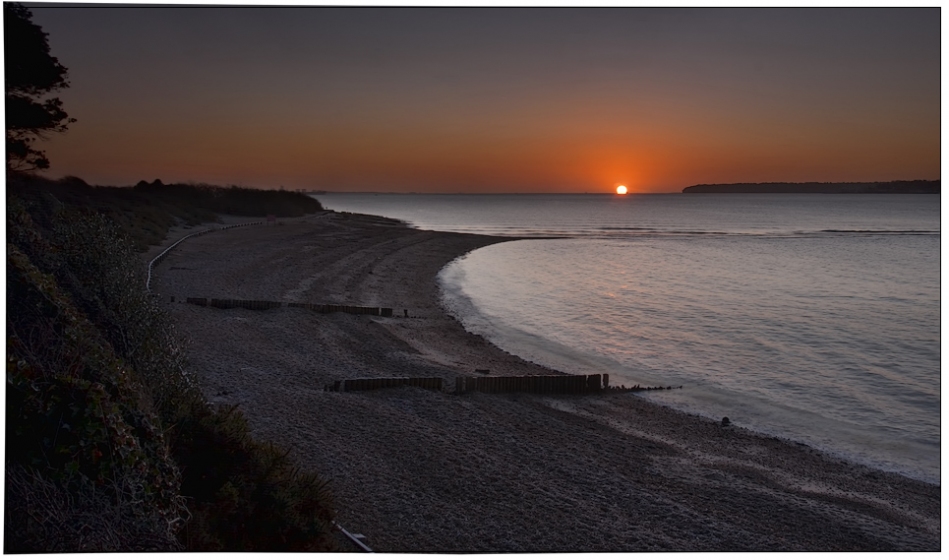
(110, 444)
(891, 187)
(146, 211)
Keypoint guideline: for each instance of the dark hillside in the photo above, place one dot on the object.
(110, 445)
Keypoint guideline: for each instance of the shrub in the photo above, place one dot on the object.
(76, 414)
(245, 495)
(50, 519)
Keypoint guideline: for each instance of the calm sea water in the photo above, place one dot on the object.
(811, 317)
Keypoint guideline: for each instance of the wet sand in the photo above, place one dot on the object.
(417, 470)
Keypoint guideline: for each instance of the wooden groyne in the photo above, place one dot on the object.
(317, 307)
(535, 384)
(372, 383)
(244, 303)
(352, 309)
(539, 384)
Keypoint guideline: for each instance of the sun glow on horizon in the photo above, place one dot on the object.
(621, 189)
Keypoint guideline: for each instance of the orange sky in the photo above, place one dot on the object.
(479, 100)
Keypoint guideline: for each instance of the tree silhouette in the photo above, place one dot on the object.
(31, 74)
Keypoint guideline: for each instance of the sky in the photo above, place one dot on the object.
(495, 99)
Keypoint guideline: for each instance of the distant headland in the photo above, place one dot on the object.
(891, 187)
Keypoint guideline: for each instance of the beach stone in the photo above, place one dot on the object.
(726, 421)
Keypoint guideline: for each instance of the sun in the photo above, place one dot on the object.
(621, 189)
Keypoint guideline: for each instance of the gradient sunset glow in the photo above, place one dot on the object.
(495, 100)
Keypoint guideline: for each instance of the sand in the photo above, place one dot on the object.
(418, 470)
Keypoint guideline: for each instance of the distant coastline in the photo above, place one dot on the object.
(892, 187)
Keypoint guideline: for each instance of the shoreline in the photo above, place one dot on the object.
(420, 471)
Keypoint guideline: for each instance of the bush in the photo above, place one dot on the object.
(245, 495)
(76, 413)
(49, 518)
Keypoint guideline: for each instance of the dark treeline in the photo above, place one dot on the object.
(239, 201)
(891, 187)
(146, 211)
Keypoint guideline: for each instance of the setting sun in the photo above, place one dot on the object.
(621, 189)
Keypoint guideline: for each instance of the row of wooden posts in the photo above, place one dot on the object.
(317, 307)
(538, 384)
(541, 384)
(352, 309)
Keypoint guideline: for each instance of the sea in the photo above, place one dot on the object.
(814, 318)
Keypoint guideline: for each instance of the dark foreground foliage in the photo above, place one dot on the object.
(110, 446)
(145, 212)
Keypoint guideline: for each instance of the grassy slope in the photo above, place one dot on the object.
(110, 445)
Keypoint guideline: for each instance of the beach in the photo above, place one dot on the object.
(424, 471)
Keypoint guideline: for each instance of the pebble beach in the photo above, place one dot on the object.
(417, 470)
